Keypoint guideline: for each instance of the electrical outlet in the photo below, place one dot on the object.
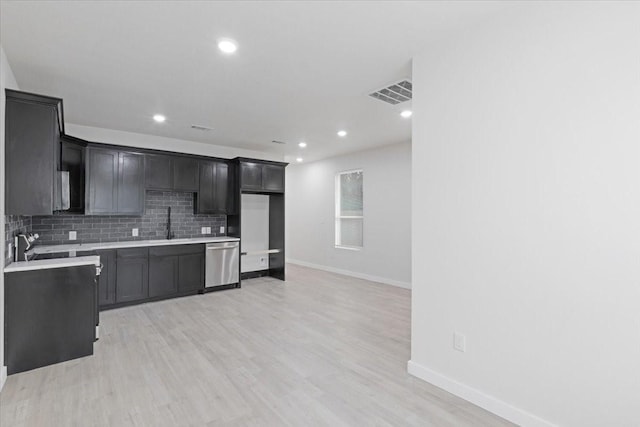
(222, 229)
(203, 230)
(208, 230)
(134, 232)
(459, 342)
(263, 261)
(73, 235)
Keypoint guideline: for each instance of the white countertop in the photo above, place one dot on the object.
(95, 260)
(130, 244)
(52, 263)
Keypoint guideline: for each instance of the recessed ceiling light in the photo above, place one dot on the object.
(406, 114)
(302, 144)
(159, 118)
(299, 159)
(342, 133)
(227, 45)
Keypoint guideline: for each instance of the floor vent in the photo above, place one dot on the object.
(396, 93)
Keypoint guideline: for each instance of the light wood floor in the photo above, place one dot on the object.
(318, 350)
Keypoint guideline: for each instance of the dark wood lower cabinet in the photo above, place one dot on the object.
(191, 271)
(107, 278)
(163, 273)
(175, 269)
(50, 316)
(132, 277)
(135, 275)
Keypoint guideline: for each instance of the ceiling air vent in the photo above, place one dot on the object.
(202, 128)
(396, 93)
(278, 142)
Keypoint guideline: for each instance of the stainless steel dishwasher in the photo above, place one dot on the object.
(222, 264)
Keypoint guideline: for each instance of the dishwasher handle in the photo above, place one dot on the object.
(218, 248)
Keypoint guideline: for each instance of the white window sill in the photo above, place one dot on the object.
(349, 248)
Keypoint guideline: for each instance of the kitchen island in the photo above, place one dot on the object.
(51, 311)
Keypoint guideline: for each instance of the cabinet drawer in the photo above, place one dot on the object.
(189, 249)
(132, 253)
(160, 251)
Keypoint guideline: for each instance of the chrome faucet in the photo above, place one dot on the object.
(170, 235)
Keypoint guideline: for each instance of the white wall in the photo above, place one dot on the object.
(310, 215)
(7, 80)
(255, 231)
(117, 137)
(526, 214)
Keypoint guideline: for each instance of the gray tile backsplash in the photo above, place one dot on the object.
(14, 224)
(152, 225)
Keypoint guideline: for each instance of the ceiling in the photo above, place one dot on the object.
(303, 70)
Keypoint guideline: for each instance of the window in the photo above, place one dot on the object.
(349, 210)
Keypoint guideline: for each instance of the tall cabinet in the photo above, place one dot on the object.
(265, 178)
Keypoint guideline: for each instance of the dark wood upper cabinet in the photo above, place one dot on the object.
(102, 181)
(214, 193)
(221, 187)
(251, 176)
(185, 174)
(233, 192)
(171, 173)
(273, 178)
(34, 124)
(262, 177)
(115, 182)
(73, 161)
(206, 196)
(158, 172)
(130, 183)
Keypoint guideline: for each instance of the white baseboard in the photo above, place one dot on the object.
(3, 376)
(398, 283)
(477, 397)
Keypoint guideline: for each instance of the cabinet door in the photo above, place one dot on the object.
(73, 161)
(158, 172)
(273, 178)
(132, 279)
(102, 181)
(50, 316)
(214, 192)
(185, 174)
(232, 189)
(31, 131)
(131, 183)
(191, 268)
(107, 278)
(163, 274)
(221, 189)
(206, 199)
(251, 176)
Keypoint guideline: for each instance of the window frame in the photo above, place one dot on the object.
(338, 217)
